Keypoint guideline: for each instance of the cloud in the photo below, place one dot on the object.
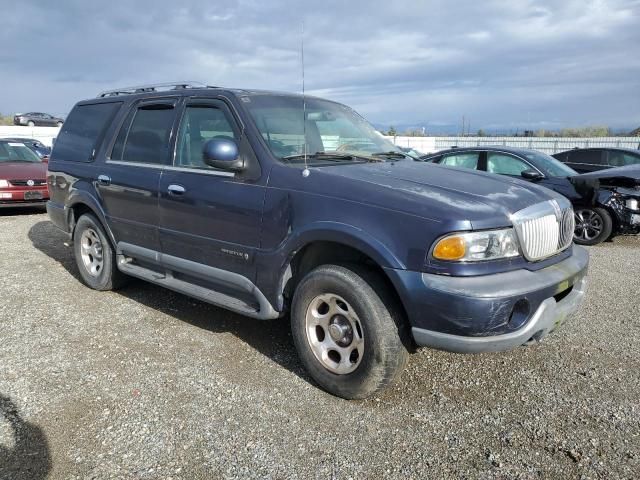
(499, 63)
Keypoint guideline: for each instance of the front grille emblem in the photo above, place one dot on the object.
(31, 183)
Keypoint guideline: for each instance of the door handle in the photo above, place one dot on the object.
(104, 180)
(176, 190)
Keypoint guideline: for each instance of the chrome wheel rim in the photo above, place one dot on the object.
(334, 333)
(91, 252)
(589, 224)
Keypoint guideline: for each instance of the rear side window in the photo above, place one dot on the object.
(80, 134)
(464, 160)
(145, 135)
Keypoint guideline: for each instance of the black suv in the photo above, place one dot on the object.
(267, 204)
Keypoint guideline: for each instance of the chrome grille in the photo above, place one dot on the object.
(25, 183)
(544, 229)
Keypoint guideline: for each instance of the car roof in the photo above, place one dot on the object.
(130, 97)
(615, 149)
(19, 139)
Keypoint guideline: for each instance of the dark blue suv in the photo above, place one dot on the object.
(270, 204)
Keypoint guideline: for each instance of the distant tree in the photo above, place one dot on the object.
(392, 131)
(482, 133)
(6, 119)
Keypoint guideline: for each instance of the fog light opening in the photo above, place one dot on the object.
(520, 313)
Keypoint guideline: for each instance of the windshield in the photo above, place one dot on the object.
(332, 132)
(17, 152)
(552, 167)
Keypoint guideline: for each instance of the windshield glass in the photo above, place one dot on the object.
(333, 132)
(553, 167)
(17, 152)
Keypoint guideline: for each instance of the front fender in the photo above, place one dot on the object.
(274, 270)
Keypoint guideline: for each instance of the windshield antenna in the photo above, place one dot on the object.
(306, 171)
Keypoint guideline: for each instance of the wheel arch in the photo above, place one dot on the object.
(81, 202)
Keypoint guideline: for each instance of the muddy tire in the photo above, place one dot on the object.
(348, 330)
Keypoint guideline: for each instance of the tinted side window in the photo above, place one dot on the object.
(200, 124)
(462, 159)
(593, 157)
(563, 157)
(81, 132)
(503, 164)
(145, 135)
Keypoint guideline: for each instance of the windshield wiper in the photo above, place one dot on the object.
(332, 157)
(390, 154)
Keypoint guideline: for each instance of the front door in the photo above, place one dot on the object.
(209, 217)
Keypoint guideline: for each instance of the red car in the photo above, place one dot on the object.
(23, 176)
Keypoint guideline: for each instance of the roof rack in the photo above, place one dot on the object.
(155, 87)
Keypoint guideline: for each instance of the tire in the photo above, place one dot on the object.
(59, 124)
(30, 124)
(372, 327)
(95, 256)
(593, 226)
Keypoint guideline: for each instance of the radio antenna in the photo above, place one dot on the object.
(306, 171)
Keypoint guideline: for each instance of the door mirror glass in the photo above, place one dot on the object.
(531, 175)
(222, 153)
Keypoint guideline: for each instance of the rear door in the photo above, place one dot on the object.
(210, 217)
(128, 180)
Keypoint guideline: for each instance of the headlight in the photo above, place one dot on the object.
(4, 183)
(632, 203)
(477, 246)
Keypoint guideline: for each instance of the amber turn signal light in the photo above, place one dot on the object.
(450, 248)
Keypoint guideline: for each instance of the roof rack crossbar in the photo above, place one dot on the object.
(155, 87)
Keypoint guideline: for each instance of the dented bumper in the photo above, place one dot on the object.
(492, 312)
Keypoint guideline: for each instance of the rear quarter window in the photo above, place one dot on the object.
(81, 133)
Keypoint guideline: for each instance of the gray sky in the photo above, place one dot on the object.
(502, 64)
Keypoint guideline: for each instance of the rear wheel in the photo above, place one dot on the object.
(593, 226)
(95, 257)
(348, 330)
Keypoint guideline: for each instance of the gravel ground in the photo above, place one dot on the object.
(145, 383)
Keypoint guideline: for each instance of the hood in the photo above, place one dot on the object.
(433, 191)
(628, 176)
(23, 170)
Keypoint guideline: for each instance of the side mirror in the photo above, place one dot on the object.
(222, 153)
(531, 175)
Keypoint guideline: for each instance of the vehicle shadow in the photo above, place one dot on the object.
(15, 211)
(272, 338)
(29, 458)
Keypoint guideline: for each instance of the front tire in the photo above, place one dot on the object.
(348, 331)
(30, 124)
(95, 257)
(593, 226)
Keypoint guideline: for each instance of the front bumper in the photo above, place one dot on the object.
(491, 312)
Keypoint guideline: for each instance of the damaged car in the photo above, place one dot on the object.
(606, 203)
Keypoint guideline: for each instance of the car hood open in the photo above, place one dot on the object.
(628, 176)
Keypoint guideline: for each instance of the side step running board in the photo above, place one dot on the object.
(263, 311)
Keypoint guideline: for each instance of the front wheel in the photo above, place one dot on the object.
(593, 226)
(348, 331)
(30, 124)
